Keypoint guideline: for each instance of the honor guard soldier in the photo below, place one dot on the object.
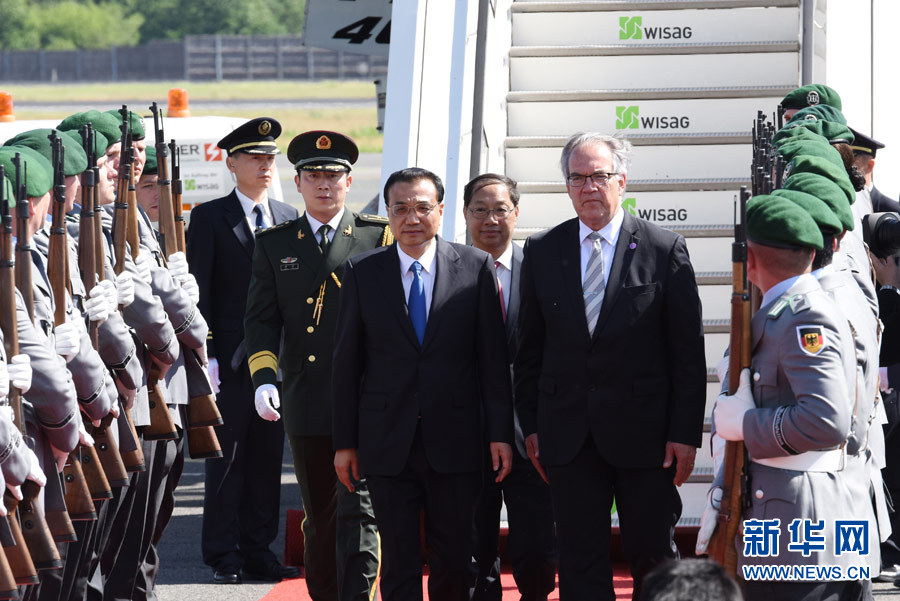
(240, 507)
(793, 411)
(809, 95)
(302, 261)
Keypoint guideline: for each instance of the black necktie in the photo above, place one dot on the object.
(323, 242)
(260, 219)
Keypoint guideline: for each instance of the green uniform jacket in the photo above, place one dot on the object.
(286, 287)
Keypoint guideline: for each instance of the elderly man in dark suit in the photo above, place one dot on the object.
(240, 506)
(610, 374)
(491, 209)
(423, 353)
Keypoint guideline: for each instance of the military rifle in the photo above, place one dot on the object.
(202, 413)
(35, 532)
(16, 566)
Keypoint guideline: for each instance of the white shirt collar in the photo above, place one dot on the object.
(781, 287)
(333, 223)
(506, 258)
(609, 232)
(426, 260)
(247, 204)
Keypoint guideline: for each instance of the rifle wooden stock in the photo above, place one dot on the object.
(133, 236)
(723, 543)
(8, 589)
(176, 197)
(94, 474)
(129, 443)
(108, 453)
(161, 427)
(19, 558)
(203, 443)
(79, 500)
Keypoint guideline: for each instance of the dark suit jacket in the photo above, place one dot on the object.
(640, 381)
(388, 380)
(512, 332)
(219, 250)
(881, 203)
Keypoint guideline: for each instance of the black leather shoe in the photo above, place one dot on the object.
(226, 576)
(272, 573)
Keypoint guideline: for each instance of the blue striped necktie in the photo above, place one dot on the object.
(417, 301)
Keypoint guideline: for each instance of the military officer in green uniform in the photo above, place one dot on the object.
(295, 290)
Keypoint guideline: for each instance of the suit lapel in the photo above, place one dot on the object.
(629, 238)
(308, 248)
(340, 247)
(237, 221)
(446, 267)
(570, 255)
(392, 291)
(512, 308)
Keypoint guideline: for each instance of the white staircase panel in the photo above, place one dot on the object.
(710, 254)
(716, 301)
(646, 116)
(628, 27)
(713, 161)
(569, 73)
(715, 347)
(693, 499)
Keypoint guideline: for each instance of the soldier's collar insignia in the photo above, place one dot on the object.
(348, 230)
(301, 235)
(812, 339)
(323, 143)
(264, 128)
(289, 260)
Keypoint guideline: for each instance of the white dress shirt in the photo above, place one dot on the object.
(429, 265)
(609, 237)
(333, 223)
(504, 273)
(248, 205)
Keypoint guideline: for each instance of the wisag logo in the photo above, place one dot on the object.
(628, 117)
(657, 215)
(632, 28)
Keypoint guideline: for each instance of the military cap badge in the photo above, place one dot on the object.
(323, 143)
(812, 98)
(264, 128)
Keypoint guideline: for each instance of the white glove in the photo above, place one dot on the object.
(267, 402)
(201, 355)
(729, 411)
(709, 519)
(142, 263)
(722, 367)
(97, 304)
(189, 284)
(124, 289)
(718, 452)
(213, 370)
(35, 473)
(84, 438)
(112, 296)
(177, 264)
(4, 381)
(19, 370)
(67, 340)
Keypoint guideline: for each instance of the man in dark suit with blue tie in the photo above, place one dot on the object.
(491, 209)
(610, 374)
(242, 494)
(424, 381)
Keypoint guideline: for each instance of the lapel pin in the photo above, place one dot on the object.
(632, 246)
(301, 235)
(348, 230)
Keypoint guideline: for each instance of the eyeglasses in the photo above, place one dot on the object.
(601, 178)
(402, 210)
(499, 214)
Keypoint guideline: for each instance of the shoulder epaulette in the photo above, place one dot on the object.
(372, 218)
(780, 305)
(799, 302)
(274, 228)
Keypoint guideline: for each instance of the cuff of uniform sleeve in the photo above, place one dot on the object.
(263, 368)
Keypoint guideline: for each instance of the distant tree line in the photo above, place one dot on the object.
(70, 24)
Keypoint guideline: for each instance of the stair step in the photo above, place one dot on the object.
(528, 6)
(651, 185)
(581, 94)
(712, 278)
(722, 116)
(661, 71)
(722, 230)
(654, 49)
(716, 326)
(642, 139)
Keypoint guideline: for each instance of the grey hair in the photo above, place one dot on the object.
(619, 147)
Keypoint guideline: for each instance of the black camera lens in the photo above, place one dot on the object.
(881, 232)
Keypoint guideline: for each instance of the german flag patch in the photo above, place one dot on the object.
(812, 339)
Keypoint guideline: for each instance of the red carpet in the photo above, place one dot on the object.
(295, 590)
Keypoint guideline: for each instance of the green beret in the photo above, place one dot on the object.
(135, 121)
(812, 95)
(810, 164)
(832, 131)
(74, 159)
(100, 143)
(803, 133)
(36, 168)
(779, 222)
(150, 167)
(821, 112)
(792, 148)
(104, 124)
(825, 190)
(817, 209)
